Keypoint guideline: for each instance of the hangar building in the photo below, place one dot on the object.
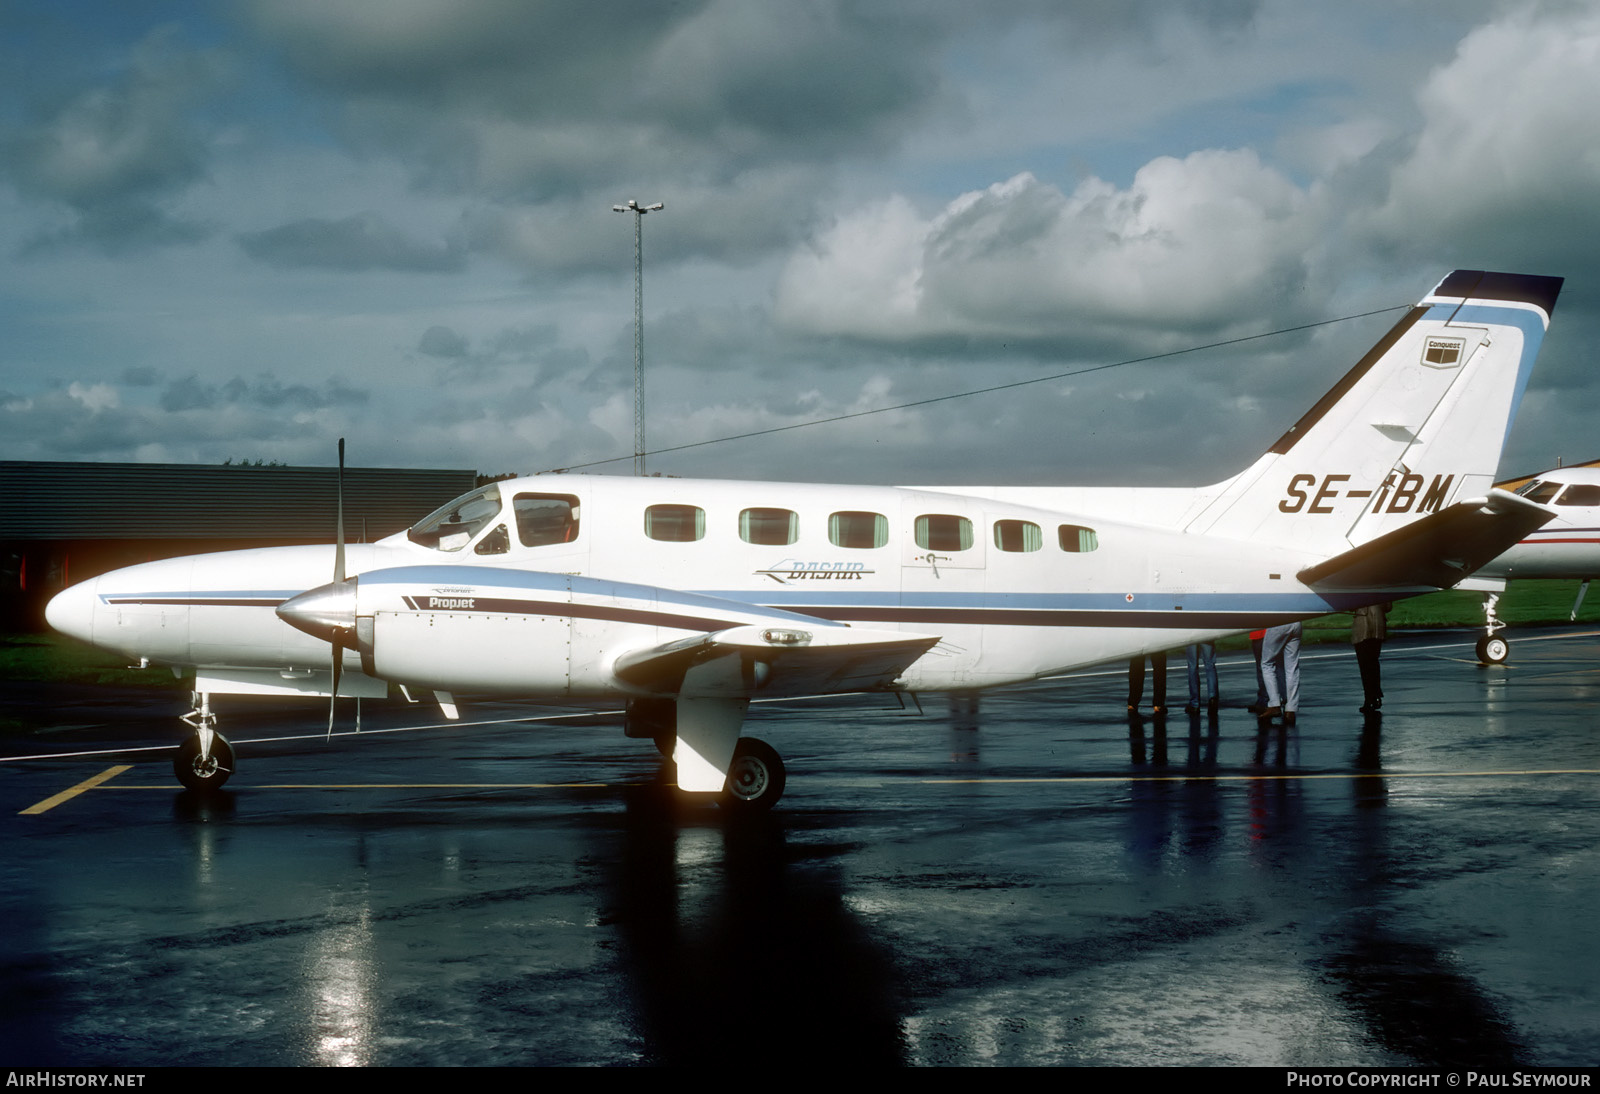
(64, 522)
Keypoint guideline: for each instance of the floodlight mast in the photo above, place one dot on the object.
(638, 212)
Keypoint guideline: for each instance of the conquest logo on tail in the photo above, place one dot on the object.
(1401, 492)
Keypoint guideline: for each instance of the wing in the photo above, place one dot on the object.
(775, 661)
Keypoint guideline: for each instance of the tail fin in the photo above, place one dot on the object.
(1417, 425)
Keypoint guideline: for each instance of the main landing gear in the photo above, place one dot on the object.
(204, 761)
(755, 778)
(700, 739)
(1492, 649)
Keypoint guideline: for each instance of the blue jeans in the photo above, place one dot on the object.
(1207, 652)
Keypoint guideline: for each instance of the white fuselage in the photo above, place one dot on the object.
(1569, 546)
(1012, 592)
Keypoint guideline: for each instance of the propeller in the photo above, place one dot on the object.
(341, 637)
(329, 611)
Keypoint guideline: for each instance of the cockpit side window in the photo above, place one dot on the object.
(497, 542)
(1540, 490)
(1580, 493)
(543, 519)
(452, 527)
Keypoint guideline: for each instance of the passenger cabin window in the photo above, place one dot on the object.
(543, 519)
(944, 532)
(675, 523)
(769, 527)
(858, 530)
(1580, 494)
(452, 527)
(1018, 535)
(1540, 491)
(1077, 539)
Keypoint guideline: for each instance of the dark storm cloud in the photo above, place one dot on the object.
(737, 114)
(533, 100)
(533, 350)
(115, 155)
(361, 242)
(265, 392)
(441, 341)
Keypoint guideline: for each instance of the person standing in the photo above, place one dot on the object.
(1205, 652)
(1368, 631)
(1256, 638)
(1158, 686)
(1280, 672)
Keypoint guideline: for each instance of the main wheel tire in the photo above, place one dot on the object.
(1493, 650)
(207, 774)
(755, 778)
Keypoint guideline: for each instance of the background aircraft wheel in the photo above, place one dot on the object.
(198, 774)
(1492, 650)
(755, 778)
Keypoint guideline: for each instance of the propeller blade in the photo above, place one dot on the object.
(338, 670)
(338, 552)
(338, 579)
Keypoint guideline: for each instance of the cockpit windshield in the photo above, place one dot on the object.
(1540, 490)
(452, 527)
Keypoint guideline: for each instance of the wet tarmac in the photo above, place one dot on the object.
(1037, 881)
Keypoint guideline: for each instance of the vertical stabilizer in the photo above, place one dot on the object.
(1416, 425)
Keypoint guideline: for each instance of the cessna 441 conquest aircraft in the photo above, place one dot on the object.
(1567, 548)
(686, 599)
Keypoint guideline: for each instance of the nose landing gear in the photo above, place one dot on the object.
(204, 761)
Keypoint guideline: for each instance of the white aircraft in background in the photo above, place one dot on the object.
(1567, 548)
(687, 599)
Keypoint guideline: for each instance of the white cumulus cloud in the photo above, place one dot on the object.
(1191, 245)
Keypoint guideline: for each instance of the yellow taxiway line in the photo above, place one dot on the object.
(72, 792)
(99, 781)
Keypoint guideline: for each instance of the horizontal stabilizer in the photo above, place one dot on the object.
(1438, 550)
(778, 660)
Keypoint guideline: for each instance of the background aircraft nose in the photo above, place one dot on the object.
(71, 611)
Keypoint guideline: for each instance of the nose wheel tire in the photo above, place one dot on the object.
(203, 774)
(755, 778)
(1493, 650)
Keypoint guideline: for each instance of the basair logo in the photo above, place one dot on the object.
(794, 569)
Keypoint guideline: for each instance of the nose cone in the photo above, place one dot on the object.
(324, 611)
(71, 611)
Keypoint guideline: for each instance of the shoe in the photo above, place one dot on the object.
(1211, 704)
(1256, 708)
(1266, 716)
(1288, 717)
(1191, 708)
(1372, 706)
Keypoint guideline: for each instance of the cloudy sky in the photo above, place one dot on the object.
(240, 230)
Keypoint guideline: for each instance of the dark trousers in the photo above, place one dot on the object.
(1367, 652)
(1158, 686)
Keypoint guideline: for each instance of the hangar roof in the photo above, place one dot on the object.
(113, 501)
